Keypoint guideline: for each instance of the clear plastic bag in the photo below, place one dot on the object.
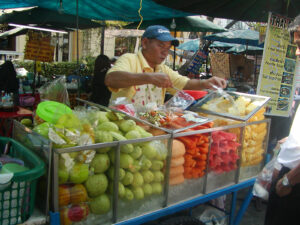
(55, 90)
(122, 105)
(180, 100)
(263, 181)
(213, 216)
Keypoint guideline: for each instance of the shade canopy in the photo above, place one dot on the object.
(250, 50)
(122, 10)
(46, 18)
(245, 10)
(218, 44)
(13, 32)
(192, 45)
(245, 37)
(190, 24)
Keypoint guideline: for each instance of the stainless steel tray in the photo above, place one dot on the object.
(213, 95)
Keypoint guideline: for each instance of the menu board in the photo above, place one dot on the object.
(297, 75)
(276, 78)
(38, 47)
(197, 62)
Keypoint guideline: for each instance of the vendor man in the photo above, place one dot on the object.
(143, 78)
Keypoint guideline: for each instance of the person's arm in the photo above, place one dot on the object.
(195, 84)
(122, 79)
(293, 177)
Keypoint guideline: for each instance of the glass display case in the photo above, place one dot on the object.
(140, 167)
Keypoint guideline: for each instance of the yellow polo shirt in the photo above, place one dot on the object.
(136, 63)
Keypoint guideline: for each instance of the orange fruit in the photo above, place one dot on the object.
(63, 195)
(78, 194)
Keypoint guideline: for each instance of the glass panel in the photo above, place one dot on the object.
(254, 147)
(141, 188)
(84, 193)
(188, 165)
(223, 158)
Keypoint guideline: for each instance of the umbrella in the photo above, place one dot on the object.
(13, 32)
(245, 10)
(120, 10)
(46, 18)
(243, 48)
(245, 37)
(218, 44)
(192, 45)
(188, 23)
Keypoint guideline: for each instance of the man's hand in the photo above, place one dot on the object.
(219, 82)
(160, 80)
(293, 177)
(195, 84)
(282, 190)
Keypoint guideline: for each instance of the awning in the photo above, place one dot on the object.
(191, 24)
(13, 32)
(46, 18)
(122, 10)
(245, 10)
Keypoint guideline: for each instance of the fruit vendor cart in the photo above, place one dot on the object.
(129, 171)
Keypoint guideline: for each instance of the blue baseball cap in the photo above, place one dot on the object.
(160, 33)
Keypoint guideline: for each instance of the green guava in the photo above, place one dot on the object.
(126, 161)
(100, 163)
(136, 166)
(157, 165)
(133, 134)
(96, 184)
(100, 204)
(127, 125)
(148, 176)
(138, 192)
(79, 173)
(157, 188)
(111, 173)
(147, 188)
(108, 126)
(121, 189)
(158, 176)
(128, 194)
(138, 180)
(63, 176)
(137, 152)
(145, 163)
(149, 151)
(128, 178)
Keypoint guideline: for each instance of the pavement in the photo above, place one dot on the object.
(254, 215)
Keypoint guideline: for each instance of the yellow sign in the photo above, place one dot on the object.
(38, 66)
(262, 33)
(38, 47)
(276, 78)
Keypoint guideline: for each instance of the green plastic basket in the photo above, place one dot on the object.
(17, 197)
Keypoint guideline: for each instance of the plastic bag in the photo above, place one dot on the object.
(180, 100)
(213, 216)
(263, 181)
(55, 90)
(122, 105)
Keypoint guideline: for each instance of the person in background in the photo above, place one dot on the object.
(284, 199)
(100, 93)
(143, 78)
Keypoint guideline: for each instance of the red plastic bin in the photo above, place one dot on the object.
(196, 94)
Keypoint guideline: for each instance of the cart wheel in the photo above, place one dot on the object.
(182, 220)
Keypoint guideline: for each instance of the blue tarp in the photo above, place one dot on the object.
(122, 10)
